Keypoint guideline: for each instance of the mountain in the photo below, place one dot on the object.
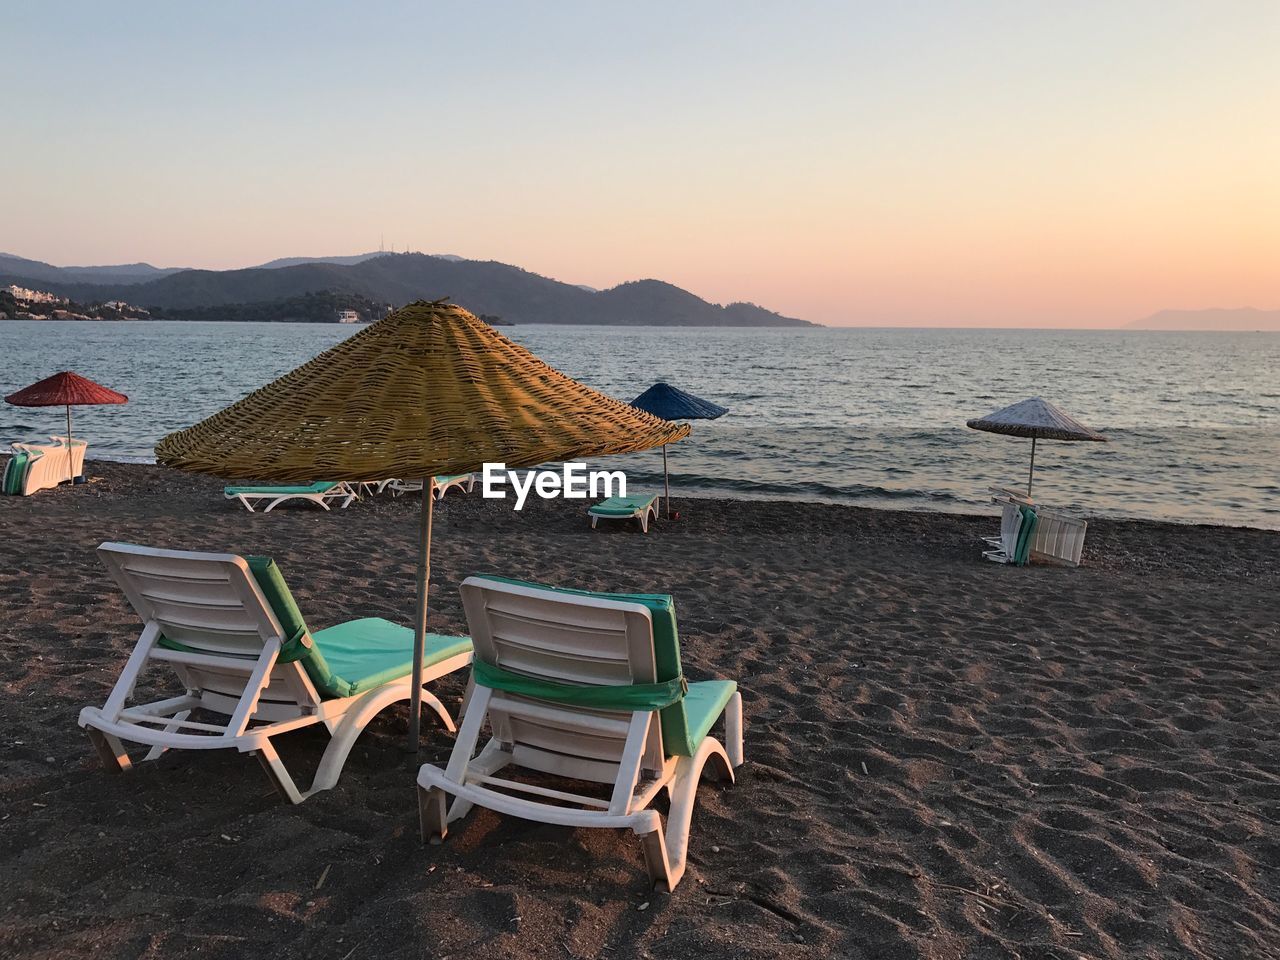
(295, 261)
(1239, 319)
(125, 273)
(484, 287)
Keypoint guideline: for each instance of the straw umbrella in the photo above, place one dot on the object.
(65, 389)
(665, 401)
(1038, 419)
(428, 390)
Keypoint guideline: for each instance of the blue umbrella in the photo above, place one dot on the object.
(665, 401)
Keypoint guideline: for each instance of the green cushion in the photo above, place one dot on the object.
(449, 477)
(320, 486)
(679, 735)
(364, 654)
(703, 704)
(623, 506)
(15, 471)
(1026, 534)
(280, 599)
(350, 658)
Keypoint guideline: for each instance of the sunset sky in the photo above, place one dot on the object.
(992, 164)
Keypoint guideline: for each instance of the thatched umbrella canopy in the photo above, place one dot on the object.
(65, 389)
(670, 403)
(1038, 419)
(428, 390)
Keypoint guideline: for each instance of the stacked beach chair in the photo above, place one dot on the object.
(1034, 534)
(42, 466)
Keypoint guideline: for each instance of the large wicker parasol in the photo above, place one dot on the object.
(428, 390)
(1038, 419)
(65, 389)
(670, 403)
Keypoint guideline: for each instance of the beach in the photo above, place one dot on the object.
(945, 758)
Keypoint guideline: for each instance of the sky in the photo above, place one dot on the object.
(895, 163)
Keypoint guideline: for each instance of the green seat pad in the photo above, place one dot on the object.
(703, 704)
(450, 477)
(623, 506)
(680, 735)
(1026, 536)
(364, 654)
(320, 486)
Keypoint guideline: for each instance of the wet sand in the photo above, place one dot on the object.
(945, 758)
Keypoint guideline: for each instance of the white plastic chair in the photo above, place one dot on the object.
(581, 639)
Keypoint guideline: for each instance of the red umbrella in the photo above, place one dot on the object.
(65, 389)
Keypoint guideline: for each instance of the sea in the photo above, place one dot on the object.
(873, 417)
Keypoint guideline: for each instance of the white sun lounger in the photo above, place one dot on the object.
(321, 492)
(78, 448)
(599, 645)
(463, 481)
(230, 630)
(42, 465)
(1058, 538)
(1004, 549)
(642, 507)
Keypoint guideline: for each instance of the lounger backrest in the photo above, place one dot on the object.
(206, 602)
(567, 638)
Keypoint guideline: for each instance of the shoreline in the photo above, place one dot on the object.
(886, 504)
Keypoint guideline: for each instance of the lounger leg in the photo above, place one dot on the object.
(665, 853)
(157, 750)
(656, 861)
(432, 814)
(110, 749)
(431, 700)
(488, 762)
(733, 730)
(593, 522)
(352, 724)
(280, 778)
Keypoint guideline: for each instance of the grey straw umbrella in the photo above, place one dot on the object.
(428, 390)
(670, 403)
(1038, 419)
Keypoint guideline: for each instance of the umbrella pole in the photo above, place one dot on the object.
(420, 621)
(666, 481)
(71, 457)
(1032, 472)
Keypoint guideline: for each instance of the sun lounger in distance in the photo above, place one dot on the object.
(642, 507)
(320, 492)
(585, 687)
(463, 481)
(229, 628)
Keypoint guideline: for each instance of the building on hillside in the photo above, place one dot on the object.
(33, 296)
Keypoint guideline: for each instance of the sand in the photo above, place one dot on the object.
(945, 758)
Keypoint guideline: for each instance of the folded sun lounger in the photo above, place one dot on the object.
(584, 687)
(642, 507)
(39, 466)
(229, 628)
(321, 492)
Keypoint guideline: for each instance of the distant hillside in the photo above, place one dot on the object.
(1239, 319)
(484, 287)
(295, 261)
(120, 274)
